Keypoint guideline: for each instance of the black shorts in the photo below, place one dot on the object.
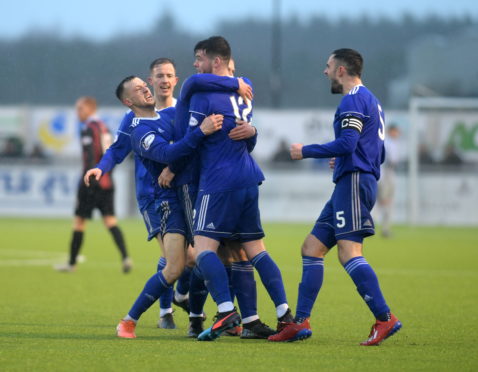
(89, 198)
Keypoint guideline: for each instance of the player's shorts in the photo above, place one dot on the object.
(89, 198)
(347, 215)
(187, 198)
(151, 218)
(229, 215)
(170, 216)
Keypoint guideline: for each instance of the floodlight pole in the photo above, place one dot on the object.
(276, 54)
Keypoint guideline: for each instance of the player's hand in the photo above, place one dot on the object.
(243, 130)
(212, 124)
(95, 172)
(332, 163)
(245, 90)
(165, 178)
(296, 151)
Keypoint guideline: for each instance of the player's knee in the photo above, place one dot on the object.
(313, 247)
(173, 271)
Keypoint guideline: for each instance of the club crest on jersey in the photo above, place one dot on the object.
(147, 141)
(193, 121)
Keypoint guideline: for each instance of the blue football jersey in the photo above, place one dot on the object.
(187, 169)
(225, 164)
(118, 151)
(152, 141)
(359, 128)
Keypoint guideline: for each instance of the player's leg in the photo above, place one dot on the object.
(244, 286)
(166, 320)
(217, 283)
(270, 275)
(316, 245)
(105, 203)
(354, 223)
(152, 221)
(157, 285)
(83, 211)
(181, 293)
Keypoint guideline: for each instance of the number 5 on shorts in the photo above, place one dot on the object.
(339, 216)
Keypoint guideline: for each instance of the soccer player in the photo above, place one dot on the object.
(95, 139)
(227, 201)
(345, 221)
(151, 139)
(240, 271)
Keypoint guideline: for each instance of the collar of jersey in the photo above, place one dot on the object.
(153, 118)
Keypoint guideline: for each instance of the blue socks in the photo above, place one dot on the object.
(197, 292)
(167, 298)
(229, 277)
(367, 286)
(244, 286)
(154, 288)
(309, 287)
(215, 276)
(270, 277)
(182, 285)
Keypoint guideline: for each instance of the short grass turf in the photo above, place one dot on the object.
(51, 321)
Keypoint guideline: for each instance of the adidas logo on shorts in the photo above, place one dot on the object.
(211, 226)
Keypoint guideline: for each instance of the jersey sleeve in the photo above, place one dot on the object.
(120, 148)
(207, 83)
(151, 145)
(351, 113)
(343, 145)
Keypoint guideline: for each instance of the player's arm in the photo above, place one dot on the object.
(210, 83)
(244, 131)
(344, 144)
(149, 144)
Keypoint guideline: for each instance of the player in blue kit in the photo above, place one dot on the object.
(151, 139)
(227, 202)
(163, 80)
(345, 221)
(240, 271)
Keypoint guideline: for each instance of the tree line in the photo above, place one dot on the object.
(44, 68)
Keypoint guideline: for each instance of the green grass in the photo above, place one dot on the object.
(53, 321)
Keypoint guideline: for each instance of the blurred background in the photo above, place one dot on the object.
(421, 61)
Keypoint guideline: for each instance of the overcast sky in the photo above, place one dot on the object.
(102, 19)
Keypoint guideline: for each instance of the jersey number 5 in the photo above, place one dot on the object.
(381, 130)
(236, 102)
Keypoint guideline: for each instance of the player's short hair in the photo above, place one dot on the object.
(161, 61)
(217, 46)
(201, 45)
(350, 59)
(89, 101)
(120, 87)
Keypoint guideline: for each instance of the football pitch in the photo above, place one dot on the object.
(51, 321)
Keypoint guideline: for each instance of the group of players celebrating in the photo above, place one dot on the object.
(197, 188)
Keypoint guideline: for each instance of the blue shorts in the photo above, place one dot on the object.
(347, 215)
(163, 216)
(229, 215)
(187, 198)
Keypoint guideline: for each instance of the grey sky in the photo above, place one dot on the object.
(102, 19)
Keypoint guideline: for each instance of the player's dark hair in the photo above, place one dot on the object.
(201, 45)
(350, 59)
(161, 61)
(217, 46)
(120, 87)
